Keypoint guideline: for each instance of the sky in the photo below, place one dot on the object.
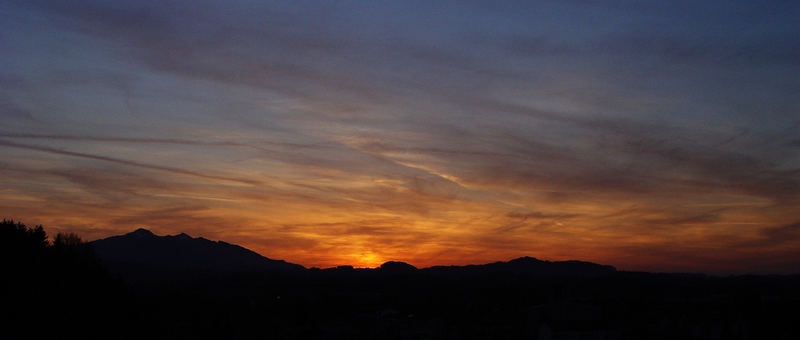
(648, 135)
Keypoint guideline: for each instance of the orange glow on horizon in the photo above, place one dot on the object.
(368, 237)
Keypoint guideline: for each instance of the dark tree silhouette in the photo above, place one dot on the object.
(67, 240)
(57, 290)
(16, 237)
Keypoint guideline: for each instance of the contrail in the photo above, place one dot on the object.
(154, 140)
(126, 162)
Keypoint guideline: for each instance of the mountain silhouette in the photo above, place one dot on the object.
(141, 249)
(530, 266)
(141, 256)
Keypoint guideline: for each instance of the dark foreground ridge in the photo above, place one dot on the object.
(179, 287)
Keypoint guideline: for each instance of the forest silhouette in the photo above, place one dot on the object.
(141, 285)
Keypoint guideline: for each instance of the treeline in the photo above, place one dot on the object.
(56, 289)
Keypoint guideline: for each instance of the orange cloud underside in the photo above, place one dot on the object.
(365, 222)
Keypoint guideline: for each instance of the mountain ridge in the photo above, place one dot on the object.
(141, 253)
(182, 252)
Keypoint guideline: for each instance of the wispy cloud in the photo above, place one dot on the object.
(158, 140)
(127, 162)
(654, 136)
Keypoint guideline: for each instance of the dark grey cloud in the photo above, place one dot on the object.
(774, 236)
(10, 110)
(773, 50)
(714, 168)
(784, 233)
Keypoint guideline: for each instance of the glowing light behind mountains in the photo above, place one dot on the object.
(654, 136)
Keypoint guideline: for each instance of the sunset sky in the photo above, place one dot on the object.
(648, 135)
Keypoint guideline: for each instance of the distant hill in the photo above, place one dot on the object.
(141, 256)
(397, 267)
(141, 249)
(529, 266)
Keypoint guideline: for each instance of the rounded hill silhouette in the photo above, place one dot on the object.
(397, 267)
